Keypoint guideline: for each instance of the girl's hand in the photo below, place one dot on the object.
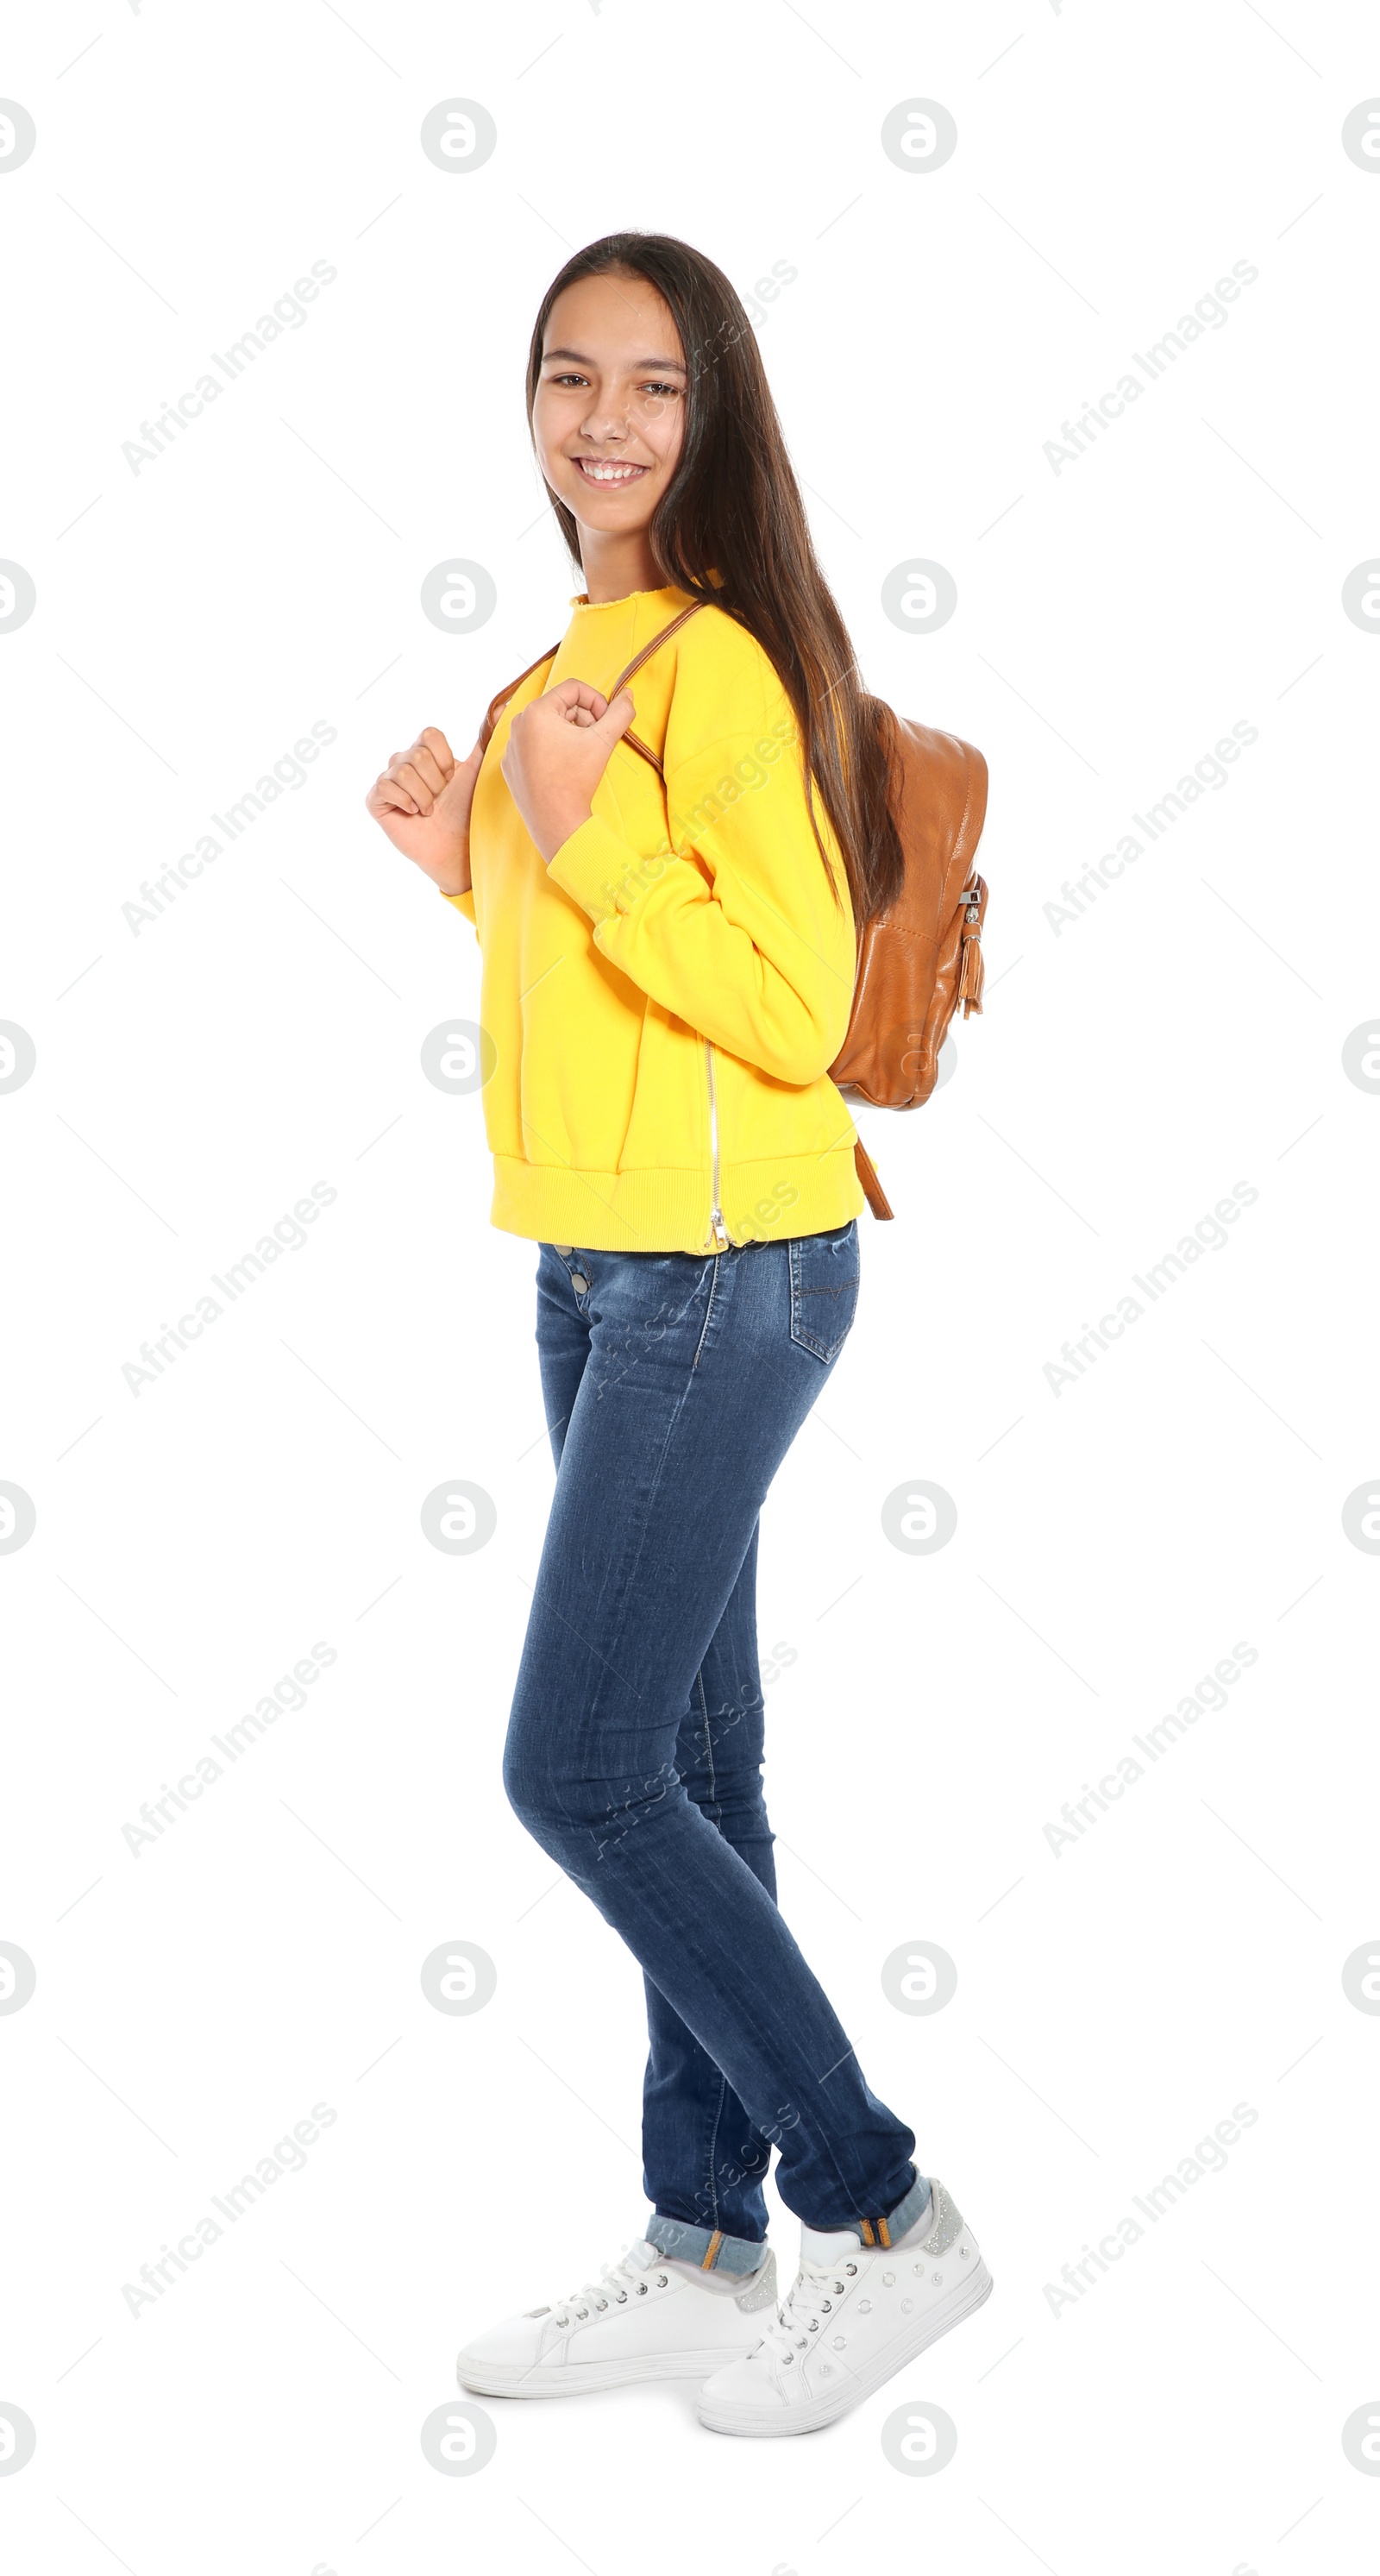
(423, 800)
(557, 752)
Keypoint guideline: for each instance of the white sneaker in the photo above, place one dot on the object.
(644, 2318)
(856, 2314)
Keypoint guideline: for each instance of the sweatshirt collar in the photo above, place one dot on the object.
(669, 597)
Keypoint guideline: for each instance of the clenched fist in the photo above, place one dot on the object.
(557, 751)
(423, 801)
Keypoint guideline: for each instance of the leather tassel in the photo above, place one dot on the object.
(973, 976)
(873, 1191)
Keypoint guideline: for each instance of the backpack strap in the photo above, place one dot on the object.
(630, 738)
(497, 704)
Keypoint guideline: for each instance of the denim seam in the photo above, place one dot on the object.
(713, 2142)
(845, 2187)
(709, 1753)
(709, 1309)
(713, 1793)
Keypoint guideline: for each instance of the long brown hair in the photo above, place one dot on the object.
(733, 508)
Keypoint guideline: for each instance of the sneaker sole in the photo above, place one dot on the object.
(966, 2298)
(580, 2378)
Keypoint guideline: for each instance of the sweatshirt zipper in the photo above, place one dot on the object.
(717, 1228)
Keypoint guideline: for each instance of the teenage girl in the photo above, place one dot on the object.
(668, 947)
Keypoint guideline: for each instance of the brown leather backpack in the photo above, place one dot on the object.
(920, 959)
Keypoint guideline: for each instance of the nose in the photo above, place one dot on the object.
(599, 429)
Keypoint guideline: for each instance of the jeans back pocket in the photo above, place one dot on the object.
(824, 1289)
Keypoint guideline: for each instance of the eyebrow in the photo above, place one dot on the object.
(581, 360)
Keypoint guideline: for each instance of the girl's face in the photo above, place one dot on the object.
(609, 413)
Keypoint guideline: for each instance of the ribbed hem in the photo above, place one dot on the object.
(670, 1211)
(708, 2247)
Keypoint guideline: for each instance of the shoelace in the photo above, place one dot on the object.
(616, 2282)
(811, 2300)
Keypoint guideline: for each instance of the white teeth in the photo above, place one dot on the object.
(608, 473)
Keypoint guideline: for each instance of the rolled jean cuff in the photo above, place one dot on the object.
(895, 2223)
(708, 2247)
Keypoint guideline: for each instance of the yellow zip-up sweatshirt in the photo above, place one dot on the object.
(665, 998)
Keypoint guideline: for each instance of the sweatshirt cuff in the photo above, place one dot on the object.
(591, 866)
(462, 902)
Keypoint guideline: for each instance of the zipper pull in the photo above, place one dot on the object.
(718, 1230)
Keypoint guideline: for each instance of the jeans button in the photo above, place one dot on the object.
(564, 1249)
(578, 1282)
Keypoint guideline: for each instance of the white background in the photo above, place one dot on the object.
(1114, 1540)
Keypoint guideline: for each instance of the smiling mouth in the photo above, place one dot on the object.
(607, 473)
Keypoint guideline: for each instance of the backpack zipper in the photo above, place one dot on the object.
(717, 1228)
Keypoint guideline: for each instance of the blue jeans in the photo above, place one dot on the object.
(674, 1384)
